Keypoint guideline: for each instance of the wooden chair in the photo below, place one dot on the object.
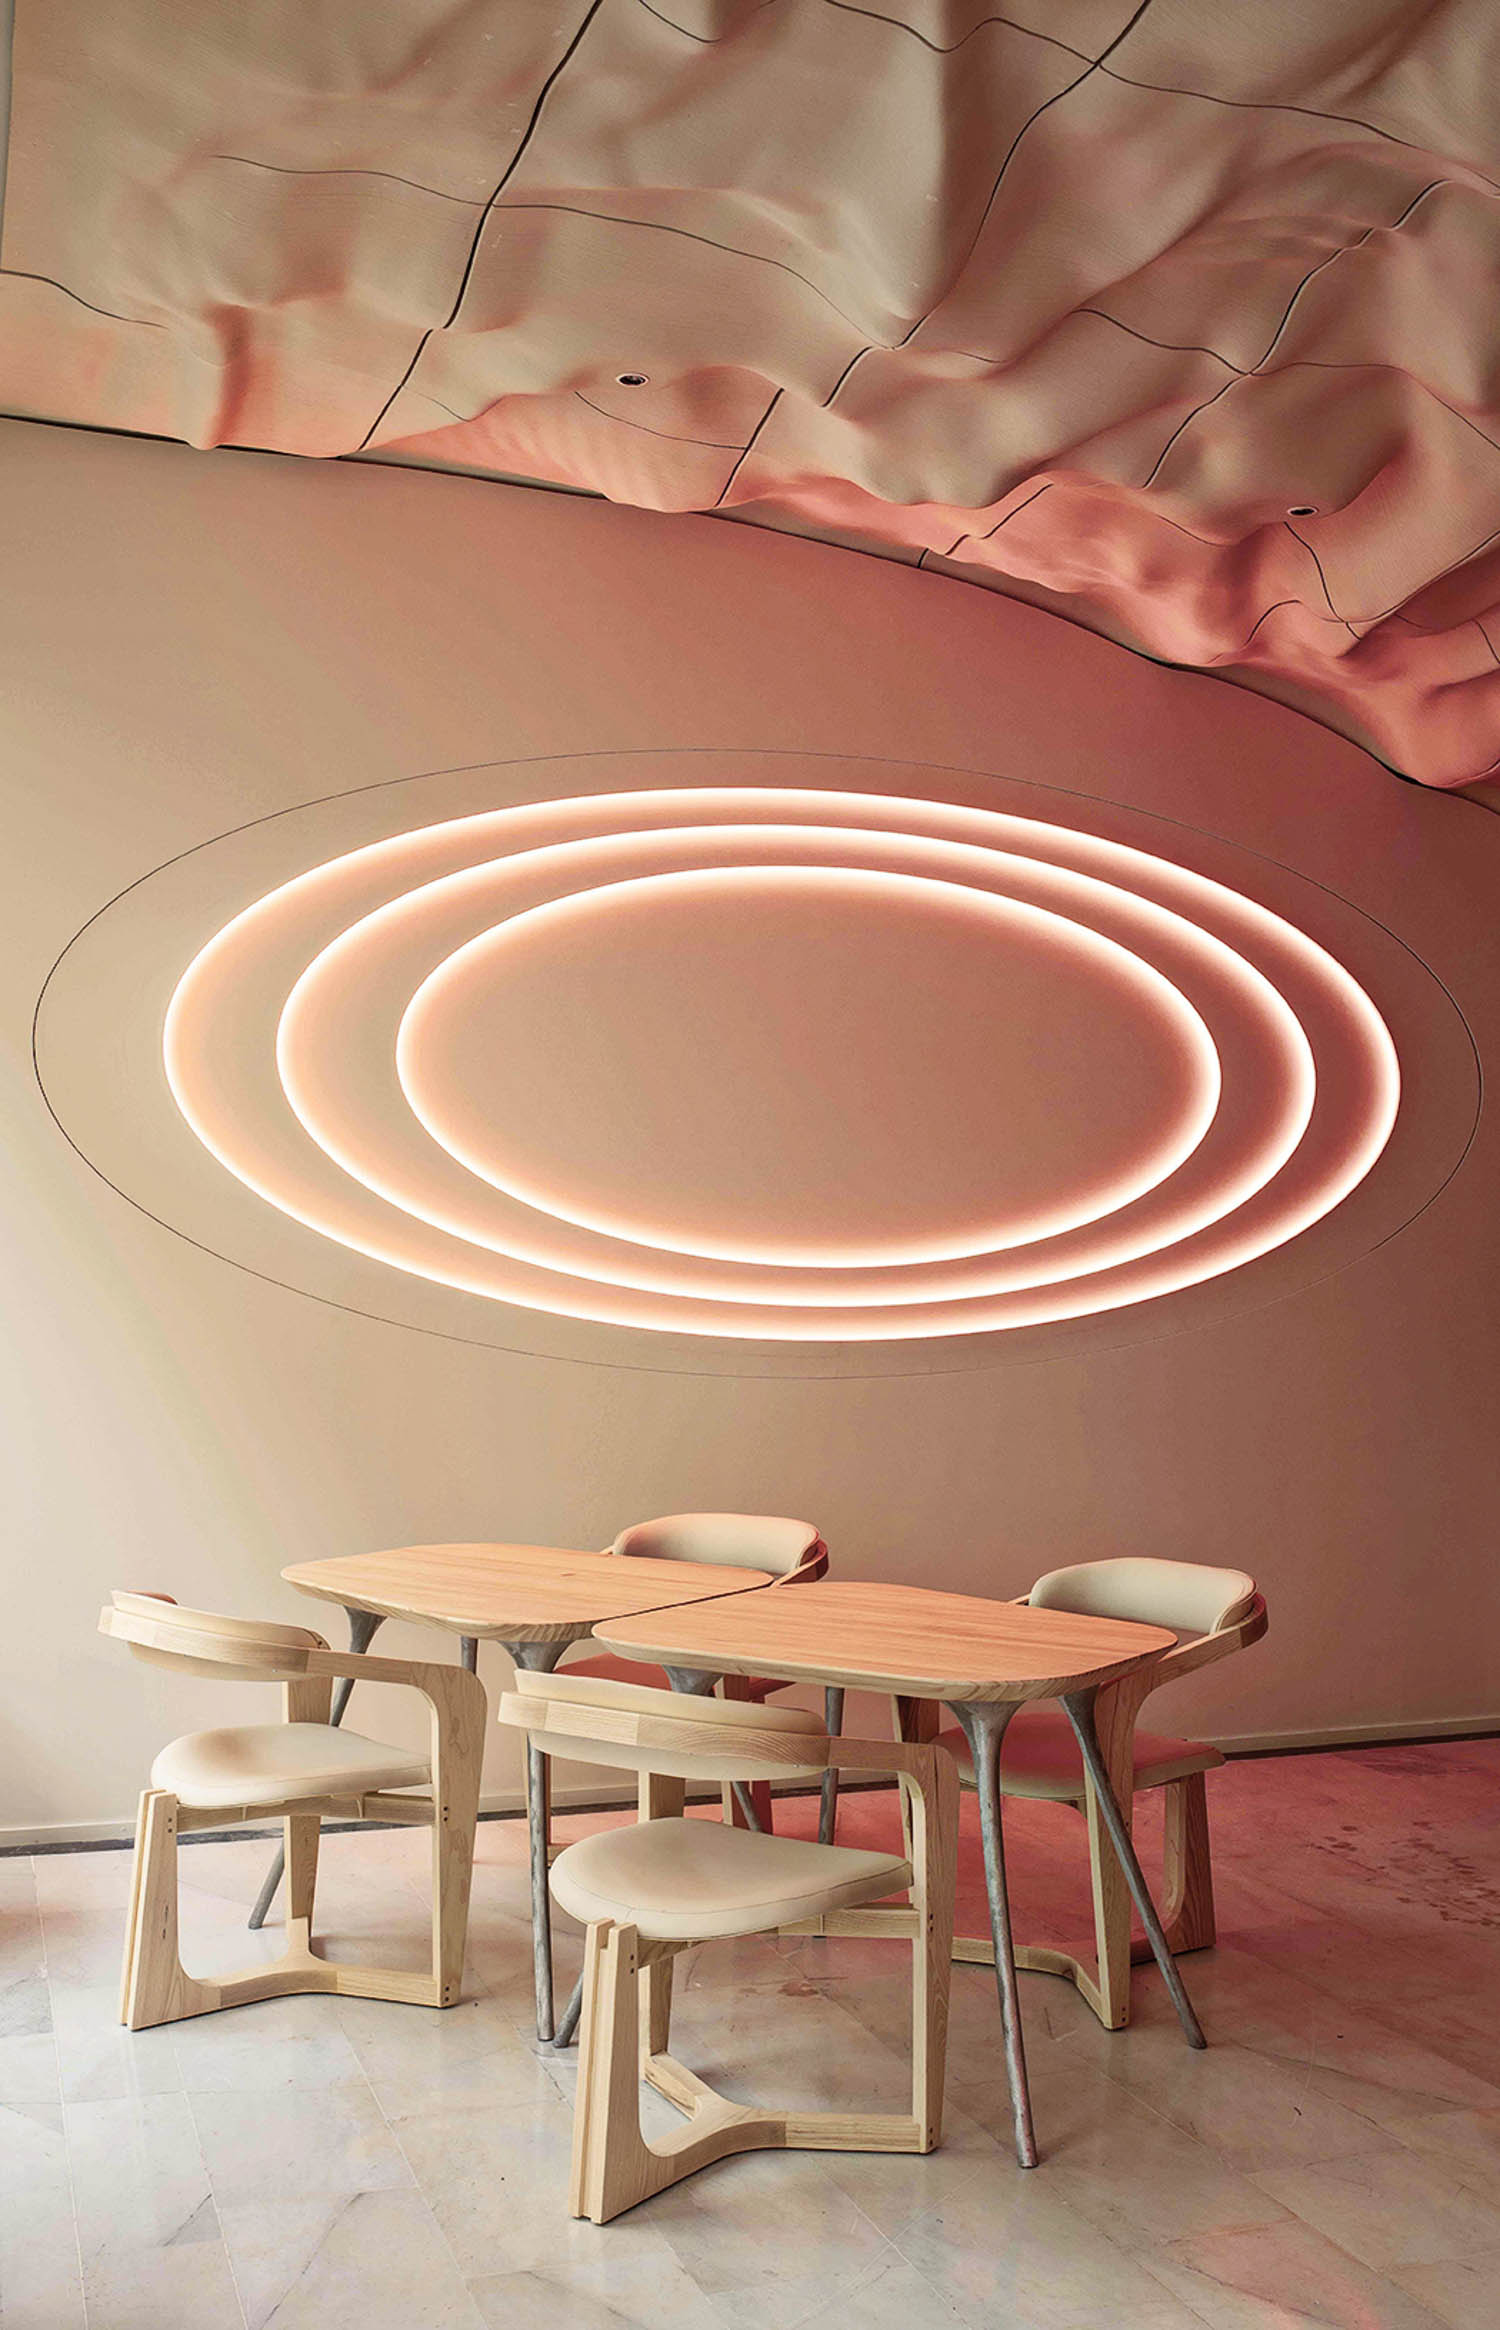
(1216, 1611)
(303, 1771)
(794, 1554)
(648, 1891)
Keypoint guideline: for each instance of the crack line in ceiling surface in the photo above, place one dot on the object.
(1193, 180)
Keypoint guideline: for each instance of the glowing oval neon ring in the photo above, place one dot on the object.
(1338, 1158)
(458, 886)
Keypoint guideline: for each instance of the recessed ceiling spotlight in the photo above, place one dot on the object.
(1303, 510)
(632, 379)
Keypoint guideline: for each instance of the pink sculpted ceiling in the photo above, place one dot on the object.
(1181, 319)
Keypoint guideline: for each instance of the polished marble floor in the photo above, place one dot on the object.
(310, 2164)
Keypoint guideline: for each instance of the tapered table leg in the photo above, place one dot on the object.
(828, 1792)
(362, 1629)
(984, 1722)
(540, 1658)
(1079, 1708)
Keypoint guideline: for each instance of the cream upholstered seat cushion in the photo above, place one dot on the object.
(1039, 1757)
(693, 1880)
(273, 1763)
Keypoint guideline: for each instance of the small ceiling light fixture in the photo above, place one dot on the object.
(632, 379)
(1303, 510)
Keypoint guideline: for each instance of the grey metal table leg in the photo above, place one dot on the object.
(362, 1628)
(468, 1652)
(699, 1683)
(540, 1658)
(833, 1718)
(1079, 1707)
(984, 1723)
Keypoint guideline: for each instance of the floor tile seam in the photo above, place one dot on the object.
(1313, 2321)
(864, 2276)
(1144, 2259)
(1233, 2168)
(72, 2180)
(1394, 2264)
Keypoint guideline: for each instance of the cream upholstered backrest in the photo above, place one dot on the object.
(640, 1728)
(1186, 1596)
(752, 1541)
(205, 1642)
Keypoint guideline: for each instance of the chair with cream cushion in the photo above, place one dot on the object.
(304, 1771)
(1214, 1611)
(794, 1554)
(649, 1890)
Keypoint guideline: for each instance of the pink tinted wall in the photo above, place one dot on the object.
(199, 640)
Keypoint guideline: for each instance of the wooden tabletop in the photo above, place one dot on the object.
(903, 1639)
(512, 1593)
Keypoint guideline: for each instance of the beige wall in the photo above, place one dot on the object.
(191, 641)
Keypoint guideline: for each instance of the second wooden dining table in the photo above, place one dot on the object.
(534, 1600)
(981, 1658)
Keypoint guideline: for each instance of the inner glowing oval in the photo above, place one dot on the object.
(803, 1064)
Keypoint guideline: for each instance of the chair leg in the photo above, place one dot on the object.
(934, 1863)
(155, 1989)
(455, 1810)
(747, 1803)
(133, 1913)
(1187, 1870)
(584, 2108)
(303, 1833)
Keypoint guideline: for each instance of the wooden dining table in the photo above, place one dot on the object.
(534, 1600)
(981, 1658)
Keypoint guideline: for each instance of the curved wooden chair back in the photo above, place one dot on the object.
(790, 1550)
(1219, 1611)
(1186, 1596)
(637, 1727)
(162, 1633)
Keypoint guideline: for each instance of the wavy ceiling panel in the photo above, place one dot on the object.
(1180, 319)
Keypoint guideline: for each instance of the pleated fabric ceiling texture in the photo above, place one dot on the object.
(1181, 319)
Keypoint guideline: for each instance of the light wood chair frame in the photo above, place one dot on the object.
(155, 1986)
(627, 1979)
(1187, 1905)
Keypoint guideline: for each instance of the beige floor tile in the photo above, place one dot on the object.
(296, 2144)
(1398, 2207)
(139, 2177)
(1129, 2171)
(99, 2061)
(1006, 2248)
(717, 2225)
(496, 2180)
(277, 2042)
(41, 2283)
(1466, 2143)
(644, 2289)
(1283, 2277)
(419, 2059)
(1463, 2293)
(1251, 2110)
(187, 2285)
(28, 2070)
(892, 2297)
(363, 2261)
